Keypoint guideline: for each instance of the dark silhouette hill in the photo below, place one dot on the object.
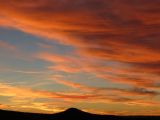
(69, 114)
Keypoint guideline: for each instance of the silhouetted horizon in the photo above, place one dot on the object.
(71, 110)
(68, 114)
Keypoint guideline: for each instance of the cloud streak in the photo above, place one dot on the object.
(7, 46)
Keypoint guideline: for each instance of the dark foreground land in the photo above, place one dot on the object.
(70, 114)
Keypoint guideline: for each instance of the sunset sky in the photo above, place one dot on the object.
(101, 56)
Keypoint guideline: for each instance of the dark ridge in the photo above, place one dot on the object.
(73, 110)
(69, 114)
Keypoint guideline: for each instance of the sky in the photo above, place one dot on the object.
(101, 56)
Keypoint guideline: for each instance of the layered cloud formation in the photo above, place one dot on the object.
(117, 41)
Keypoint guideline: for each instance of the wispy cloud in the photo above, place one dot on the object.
(109, 91)
(7, 46)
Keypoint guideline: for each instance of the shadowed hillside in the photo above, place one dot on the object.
(70, 114)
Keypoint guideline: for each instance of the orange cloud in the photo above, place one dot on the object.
(116, 95)
(3, 106)
(109, 91)
(61, 63)
(115, 72)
